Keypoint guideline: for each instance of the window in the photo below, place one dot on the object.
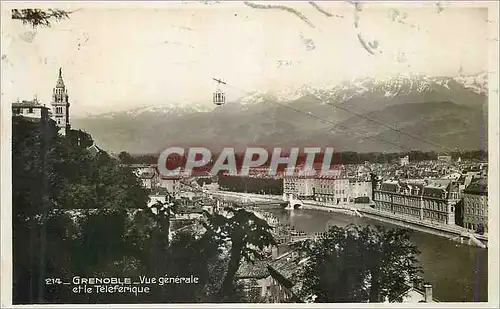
(59, 110)
(30, 110)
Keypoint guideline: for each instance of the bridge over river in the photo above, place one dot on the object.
(276, 202)
(458, 272)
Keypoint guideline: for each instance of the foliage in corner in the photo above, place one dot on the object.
(39, 18)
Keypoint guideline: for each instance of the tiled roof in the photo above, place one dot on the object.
(414, 294)
(32, 104)
(94, 149)
(478, 187)
(257, 270)
(387, 186)
(159, 191)
(434, 191)
(440, 182)
(285, 267)
(146, 175)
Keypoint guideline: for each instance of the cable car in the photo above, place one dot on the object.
(219, 97)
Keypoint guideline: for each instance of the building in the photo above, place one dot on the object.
(290, 186)
(431, 202)
(272, 280)
(79, 138)
(359, 188)
(32, 110)
(147, 179)
(94, 150)
(299, 187)
(156, 197)
(475, 206)
(444, 158)
(416, 295)
(147, 174)
(172, 185)
(285, 284)
(403, 161)
(186, 195)
(60, 105)
(464, 181)
(255, 279)
(332, 189)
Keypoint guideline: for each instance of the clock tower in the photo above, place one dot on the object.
(60, 105)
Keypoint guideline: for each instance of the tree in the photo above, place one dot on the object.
(197, 256)
(162, 213)
(187, 254)
(125, 158)
(70, 211)
(38, 17)
(248, 234)
(355, 264)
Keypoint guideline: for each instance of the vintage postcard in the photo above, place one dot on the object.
(342, 153)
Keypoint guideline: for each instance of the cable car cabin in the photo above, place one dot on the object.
(219, 98)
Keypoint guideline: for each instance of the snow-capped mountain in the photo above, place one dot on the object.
(450, 111)
(478, 83)
(388, 87)
(174, 110)
(401, 85)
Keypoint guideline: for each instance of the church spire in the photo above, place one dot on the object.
(60, 81)
(60, 104)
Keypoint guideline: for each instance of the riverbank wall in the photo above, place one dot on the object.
(456, 233)
(451, 232)
(416, 227)
(341, 210)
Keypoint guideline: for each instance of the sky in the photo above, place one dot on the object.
(123, 56)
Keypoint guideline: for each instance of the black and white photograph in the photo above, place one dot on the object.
(249, 152)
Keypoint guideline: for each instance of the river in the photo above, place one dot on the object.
(449, 266)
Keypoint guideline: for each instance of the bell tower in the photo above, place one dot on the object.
(60, 105)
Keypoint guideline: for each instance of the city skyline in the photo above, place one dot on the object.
(233, 41)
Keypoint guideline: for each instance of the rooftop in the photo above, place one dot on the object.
(414, 295)
(434, 188)
(256, 270)
(94, 150)
(159, 191)
(478, 186)
(146, 175)
(33, 104)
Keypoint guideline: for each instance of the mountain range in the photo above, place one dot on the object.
(395, 114)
